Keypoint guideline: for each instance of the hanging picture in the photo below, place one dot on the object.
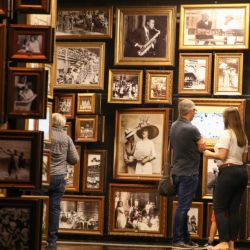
(32, 6)
(65, 104)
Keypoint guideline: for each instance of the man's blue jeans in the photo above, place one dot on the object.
(186, 187)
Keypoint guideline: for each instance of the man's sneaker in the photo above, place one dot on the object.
(192, 244)
(181, 245)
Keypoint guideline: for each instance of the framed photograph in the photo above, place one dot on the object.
(31, 43)
(27, 93)
(65, 104)
(125, 86)
(24, 223)
(195, 73)
(88, 128)
(88, 103)
(140, 143)
(20, 158)
(228, 73)
(4, 8)
(79, 65)
(209, 222)
(145, 35)
(209, 116)
(73, 174)
(45, 217)
(46, 167)
(159, 86)
(95, 163)
(209, 172)
(82, 23)
(32, 6)
(82, 215)
(195, 219)
(2, 68)
(136, 210)
(68, 128)
(214, 26)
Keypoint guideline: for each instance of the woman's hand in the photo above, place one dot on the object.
(207, 153)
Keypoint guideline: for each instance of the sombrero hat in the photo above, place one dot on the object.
(129, 132)
(153, 131)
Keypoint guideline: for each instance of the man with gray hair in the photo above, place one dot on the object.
(63, 152)
(187, 145)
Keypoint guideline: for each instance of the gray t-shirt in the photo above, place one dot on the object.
(183, 138)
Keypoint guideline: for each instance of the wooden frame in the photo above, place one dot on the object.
(131, 123)
(101, 24)
(30, 93)
(4, 9)
(42, 6)
(90, 223)
(94, 170)
(88, 103)
(88, 128)
(65, 104)
(214, 26)
(209, 116)
(195, 73)
(73, 174)
(29, 212)
(46, 167)
(31, 43)
(79, 57)
(210, 170)
(228, 73)
(27, 146)
(195, 219)
(209, 214)
(125, 200)
(159, 86)
(125, 86)
(159, 49)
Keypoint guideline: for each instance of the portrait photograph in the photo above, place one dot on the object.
(81, 23)
(140, 145)
(4, 8)
(210, 171)
(95, 163)
(195, 219)
(32, 6)
(228, 73)
(82, 215)
(65, 104)
(88, 103)
(159, 86)
(216, 26)
(27, 92)
(195, 73)
(20, 223)
(145, 35)
(20, 158)
(79, 65)
(31, 43)
(46, 167)
(125, 86)
(136, 210)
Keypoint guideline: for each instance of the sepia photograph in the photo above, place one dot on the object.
(32, 6)
(140, 147)
(88, 103)
(125, 86)
(65, 104)
(136, 210)
(79, 65)
(81, 215)
(145, 35)
(217, 26)
(195, 73)
(228, 73)
(81, 23)
(46, 167)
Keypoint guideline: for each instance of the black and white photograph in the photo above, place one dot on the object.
(139, 143)
(84, 23)
(30, 44)
(79, 65)
(221, 26)
(125, 86)
(145, 35)
(81, 215)
(65, 104)
(94, 165)
(193, 220)
(87, 129)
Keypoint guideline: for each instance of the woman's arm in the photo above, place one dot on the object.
(219, 154)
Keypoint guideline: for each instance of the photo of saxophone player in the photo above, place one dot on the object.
(144, 41)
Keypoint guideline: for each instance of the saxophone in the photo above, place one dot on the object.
(148, 45)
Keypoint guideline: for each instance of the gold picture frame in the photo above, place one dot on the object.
(155, 50)
(214, 26)
(159, 86)
(228, 73)
(125, 86)
(195, 73)
(88, 103)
